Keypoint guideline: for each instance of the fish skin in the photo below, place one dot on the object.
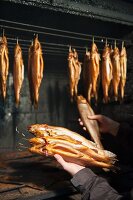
(36, 67)
(91, 125)
(4, 65)
(18, 73)
(29, 73)
(74, 67)
(94, 72)
(106, 73)
(116, 72)
(70, 145)
(123, 68)
(86, 73)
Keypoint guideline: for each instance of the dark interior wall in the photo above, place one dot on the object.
(54, 19)
(54, 104)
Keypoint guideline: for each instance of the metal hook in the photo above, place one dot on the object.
(3, 32)
(115, 43)
(17, 40)
(70, 48)
(122, 44)
(86, 49)
(106, 42)
(93, 39)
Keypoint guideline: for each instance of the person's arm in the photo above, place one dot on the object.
(91, 186)
(106, 125)
(122, 131)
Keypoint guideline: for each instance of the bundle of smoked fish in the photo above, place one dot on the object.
(91, 73)
(74, 70)
(73, 147)
(114, 69)
(18, 72)
(112, 74)
(4, 65)
(107, 70)
(35, 70)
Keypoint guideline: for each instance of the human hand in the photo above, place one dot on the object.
(106, 125)
(72, 168)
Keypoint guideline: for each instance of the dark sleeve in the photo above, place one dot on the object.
(93, 187)
(125, 138)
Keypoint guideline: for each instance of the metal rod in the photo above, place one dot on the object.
(60, 30)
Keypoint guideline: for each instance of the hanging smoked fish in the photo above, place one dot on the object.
(18, 72)
(35, 69)
(77, 66)
(30, 53)
(123, 68)
(74, 67)
(106, 72)
(4, 65)
(86, 72)
(71, 72)
(116, 71)
(94, 72)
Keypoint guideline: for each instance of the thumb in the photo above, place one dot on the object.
(93, 116)
(60, 159)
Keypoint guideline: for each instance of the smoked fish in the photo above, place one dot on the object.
(123, 69)
(74, 70)
(35, 70)
(116, 72)
(18, 72)
(106, 73)
(4, 65)
(94, 72)
(91, 125)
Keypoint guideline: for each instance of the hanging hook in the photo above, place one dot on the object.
(37, 35)
(3, 32)
(106, 42)
(17, 40)
(70, 48)
(86, 49)
(115, 44)
(93, 39)
(122, 44)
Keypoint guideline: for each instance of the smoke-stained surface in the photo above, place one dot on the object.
(119, 11)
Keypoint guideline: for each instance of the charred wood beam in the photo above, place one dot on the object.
(114, 11)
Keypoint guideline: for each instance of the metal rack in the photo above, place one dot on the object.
(25, 32)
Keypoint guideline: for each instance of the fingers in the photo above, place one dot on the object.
(81, 123)
(95, 117)
(60, 160)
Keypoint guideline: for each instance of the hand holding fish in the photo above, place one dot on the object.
(71, 168)
(106, 125)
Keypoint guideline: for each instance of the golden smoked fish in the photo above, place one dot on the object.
(86, 72)
(116, 72)
(35, 70)
(4, 65)
(30, 52)
(91, 125)
(18, 72)
(123, 69)
(106, 73)
(74, 67)
(71, 74)
(73, 147)
(94, 71)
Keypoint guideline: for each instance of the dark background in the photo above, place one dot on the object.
(108, 21)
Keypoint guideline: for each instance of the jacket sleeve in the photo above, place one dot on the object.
(93, 187)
